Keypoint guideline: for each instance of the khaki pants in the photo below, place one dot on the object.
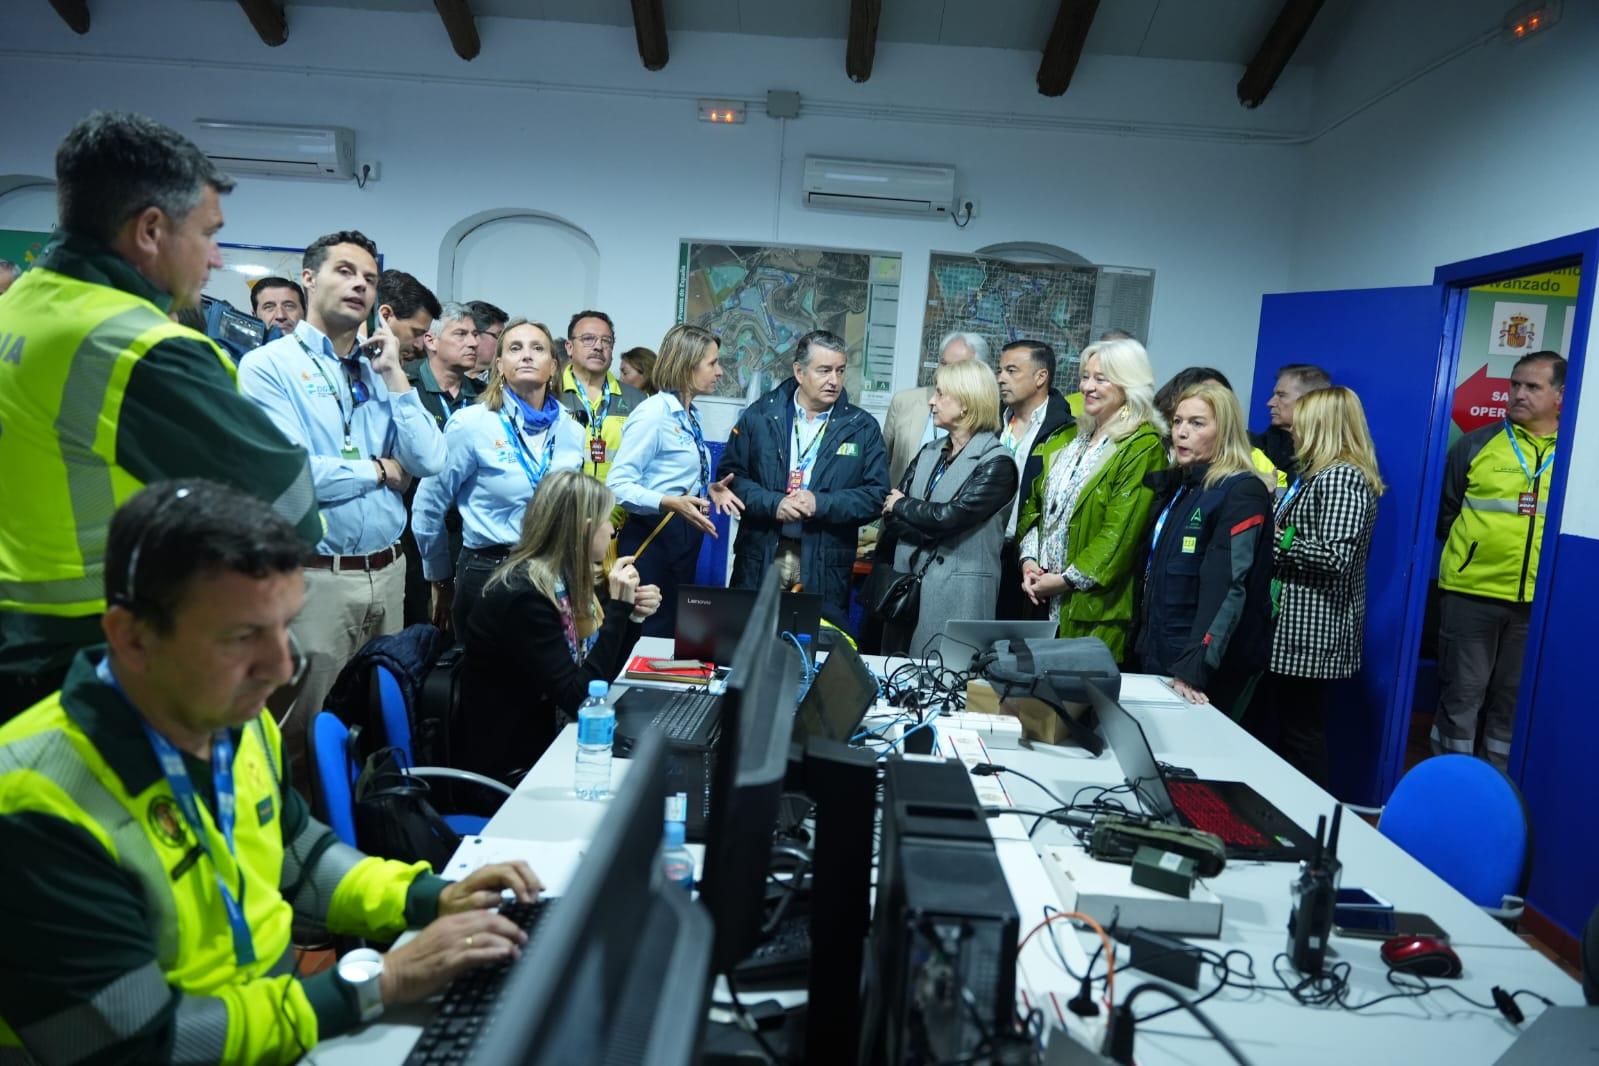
(342, 612)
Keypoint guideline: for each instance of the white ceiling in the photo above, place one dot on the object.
(1225, 31)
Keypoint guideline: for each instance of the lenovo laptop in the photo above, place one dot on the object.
(711, 620)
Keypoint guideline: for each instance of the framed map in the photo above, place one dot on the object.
(761, 299)
(1067, 307)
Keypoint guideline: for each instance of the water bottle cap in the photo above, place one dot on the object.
(599, 688)
(675, 834)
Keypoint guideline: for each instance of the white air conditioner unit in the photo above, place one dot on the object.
(285, 151)
(879, 188)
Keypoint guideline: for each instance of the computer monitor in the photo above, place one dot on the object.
(747, 789)
(619, 969)
(711, 621)
(838, 699)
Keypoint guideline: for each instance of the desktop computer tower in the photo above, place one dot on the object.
(943, 979)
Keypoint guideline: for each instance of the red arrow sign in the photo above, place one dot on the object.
(1480, 400)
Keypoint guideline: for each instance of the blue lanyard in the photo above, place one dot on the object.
(692, 425)
(1288, 497)
(177, 776)
(1160, 524)
(1525, 469)
(349, 419)
(596, 418)
(524, 454)
(808, 456)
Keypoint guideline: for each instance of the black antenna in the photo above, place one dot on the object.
(1332, 837)
(1321, 828)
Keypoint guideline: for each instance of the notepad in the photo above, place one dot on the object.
(641, 668)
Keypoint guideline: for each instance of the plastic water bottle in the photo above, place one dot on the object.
(596, 727)
(805, 666)
(677, 865)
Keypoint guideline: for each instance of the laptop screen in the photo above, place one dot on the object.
(1131, 748)
(839, 697)
(711, 620)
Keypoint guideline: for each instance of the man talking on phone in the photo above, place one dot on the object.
(349, 404)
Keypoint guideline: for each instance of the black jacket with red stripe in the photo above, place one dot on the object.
(1207, 594)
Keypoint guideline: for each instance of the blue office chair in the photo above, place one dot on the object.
(335, 774)
(397, 733)
(1464, 820)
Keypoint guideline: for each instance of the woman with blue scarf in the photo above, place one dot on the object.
(499, 450)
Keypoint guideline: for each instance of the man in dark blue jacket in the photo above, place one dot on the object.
(811, 469)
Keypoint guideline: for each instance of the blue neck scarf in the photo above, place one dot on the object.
(540, 420)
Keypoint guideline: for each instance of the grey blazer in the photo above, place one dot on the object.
(963, 523)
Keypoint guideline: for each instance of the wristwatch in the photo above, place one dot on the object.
(360, 971)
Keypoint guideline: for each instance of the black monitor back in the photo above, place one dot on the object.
(618, 971)
(759, 708)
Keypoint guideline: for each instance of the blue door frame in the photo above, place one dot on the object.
(1577, 249)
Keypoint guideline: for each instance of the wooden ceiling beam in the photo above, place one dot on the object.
(1271, 59)
(1065, 45)
(649, 25)
(864, 16)
(461, 26)
(75, 13)
(267, 18)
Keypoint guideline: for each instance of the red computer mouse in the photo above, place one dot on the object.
(1424, 956)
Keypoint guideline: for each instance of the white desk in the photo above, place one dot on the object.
(1269, 1027)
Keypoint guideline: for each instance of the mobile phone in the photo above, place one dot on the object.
(1366, 923)
(1360, 897)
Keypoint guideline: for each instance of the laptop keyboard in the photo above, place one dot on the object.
(470, 1001)
(1205, 810)
(681, 716)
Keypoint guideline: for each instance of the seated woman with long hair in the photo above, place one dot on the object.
(540, 633)
(1206, 618)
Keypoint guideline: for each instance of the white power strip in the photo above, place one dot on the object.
(997, 730)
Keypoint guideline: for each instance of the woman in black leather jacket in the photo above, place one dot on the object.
(949, 513)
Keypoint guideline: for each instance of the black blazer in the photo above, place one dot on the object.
(519, 683)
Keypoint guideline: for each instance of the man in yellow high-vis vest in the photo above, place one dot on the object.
(1491, 520)
(156, 858)
(100, 392)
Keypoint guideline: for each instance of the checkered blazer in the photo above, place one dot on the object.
(1323, 572)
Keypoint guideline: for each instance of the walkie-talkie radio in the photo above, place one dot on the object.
(1315, 893)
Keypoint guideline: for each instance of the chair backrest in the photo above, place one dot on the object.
(335, 772)
(1464, 820)
(396, 716)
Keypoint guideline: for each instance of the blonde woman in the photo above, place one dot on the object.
(949, 513)
(662, 473)
(1080, 531)
(540, 633)
(1323, 537)
(1206, 618)
(498, 451)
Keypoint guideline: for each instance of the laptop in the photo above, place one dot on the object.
(1558, 1035)
(710, 620)
(1246, 822)
(963, 639)
(839, 697)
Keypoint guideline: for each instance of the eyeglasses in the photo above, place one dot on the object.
(594, 340)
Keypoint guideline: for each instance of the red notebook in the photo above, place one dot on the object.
(641, 668)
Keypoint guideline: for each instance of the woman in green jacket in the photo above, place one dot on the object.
(1080, 531)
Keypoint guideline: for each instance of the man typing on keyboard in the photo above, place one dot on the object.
(156, 858)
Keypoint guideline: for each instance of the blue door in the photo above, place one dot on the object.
(1385, 345)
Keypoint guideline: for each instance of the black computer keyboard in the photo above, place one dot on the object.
(680, 717)
(783, 956)
(470, 1001)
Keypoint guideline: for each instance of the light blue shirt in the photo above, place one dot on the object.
(657, 457)
(483, 479)
(298, 381)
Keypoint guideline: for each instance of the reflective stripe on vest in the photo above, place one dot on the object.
(1492, 547)
(62, 381)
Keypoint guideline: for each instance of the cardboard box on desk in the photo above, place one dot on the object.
(1039, 720)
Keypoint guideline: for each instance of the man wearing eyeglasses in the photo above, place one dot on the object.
(596, 397)
(101, 393)
(488, 323)
(349, 403)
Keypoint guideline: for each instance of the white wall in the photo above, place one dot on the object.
(625, 158)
